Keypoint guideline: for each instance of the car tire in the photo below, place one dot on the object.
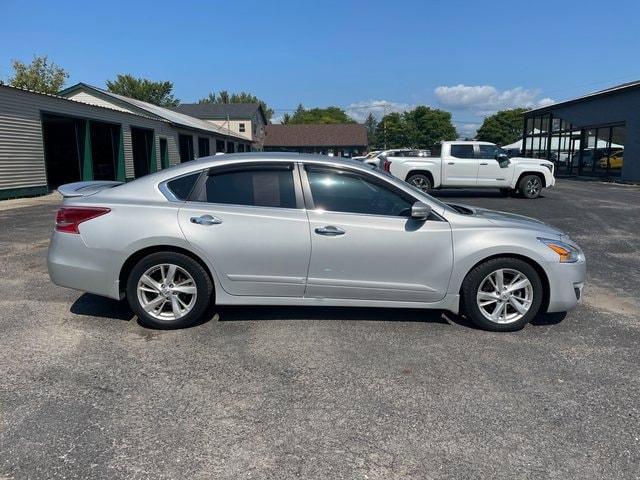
(507, 192)
(530, 186)
(420, 181)
(490, 303)
(169, 290)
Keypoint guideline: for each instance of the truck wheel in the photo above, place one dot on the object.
(420, 181)
(530, 186)
(502, 294)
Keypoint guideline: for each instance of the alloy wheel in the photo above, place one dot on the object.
(167, 292)
(504, 296)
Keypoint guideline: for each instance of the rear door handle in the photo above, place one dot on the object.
(330, 231)
(206, 220)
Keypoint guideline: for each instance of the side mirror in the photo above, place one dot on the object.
(503, 160)
(420, 211)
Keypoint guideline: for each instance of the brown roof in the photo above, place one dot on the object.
(317, 135)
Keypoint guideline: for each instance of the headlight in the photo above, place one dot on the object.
(567, 253)
(549, 166)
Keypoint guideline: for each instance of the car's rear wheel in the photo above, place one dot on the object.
(420, 181)
(502, 294)
(530, 186)
(169, 290)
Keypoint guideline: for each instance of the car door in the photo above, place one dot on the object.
(491, 172)
(460, 167)
(365, 245)
(249, 222)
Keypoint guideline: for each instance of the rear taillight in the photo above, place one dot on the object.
(387, 165)
(69, 218)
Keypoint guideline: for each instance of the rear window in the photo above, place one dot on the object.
(462, 151)
(258, 188)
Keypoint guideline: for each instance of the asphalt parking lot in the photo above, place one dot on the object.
(87, 392)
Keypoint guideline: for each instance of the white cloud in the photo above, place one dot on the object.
(467, 130)
(486, 99)
(545, 102)
(360, 111)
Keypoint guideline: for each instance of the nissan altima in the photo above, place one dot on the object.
(294, 229)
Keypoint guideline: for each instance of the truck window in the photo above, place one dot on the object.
(489, 151)
(462, 151)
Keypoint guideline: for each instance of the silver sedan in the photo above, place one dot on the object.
(289, 229)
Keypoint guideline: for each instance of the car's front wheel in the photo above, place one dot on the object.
(502, 294)
(169, 290)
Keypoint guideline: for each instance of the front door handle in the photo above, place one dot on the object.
(484, 163)
(330, 231)
(206, 220)
(451, 163)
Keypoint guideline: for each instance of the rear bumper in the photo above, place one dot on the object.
(72, 264)
(566, 281)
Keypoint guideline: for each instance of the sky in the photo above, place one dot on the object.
(470, 58)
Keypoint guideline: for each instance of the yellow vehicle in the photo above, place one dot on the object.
(615, 160)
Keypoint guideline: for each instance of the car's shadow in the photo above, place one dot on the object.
(92, 305)
(97, 306)
(252, 313)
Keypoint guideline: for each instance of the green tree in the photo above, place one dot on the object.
(370, 124)
(286, 118)
(320, 115)
(158, 93)
(419, 128)
(502, 128)
(243, 97)
(391, 132)
(426, 126)
(39, 75)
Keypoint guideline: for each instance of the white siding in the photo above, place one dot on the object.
(95, 100)
(21, 148)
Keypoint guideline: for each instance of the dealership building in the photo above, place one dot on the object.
(597, 135)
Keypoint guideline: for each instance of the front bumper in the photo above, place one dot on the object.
(566, 281)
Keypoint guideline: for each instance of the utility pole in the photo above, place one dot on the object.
(384, 125)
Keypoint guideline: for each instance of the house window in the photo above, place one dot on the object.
(241, 126)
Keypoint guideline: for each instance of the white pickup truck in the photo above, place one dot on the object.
(473, 164)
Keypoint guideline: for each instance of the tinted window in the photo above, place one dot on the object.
(260, 188)
(462, 151)
(490, 151)
(337, 191)
(181, 187)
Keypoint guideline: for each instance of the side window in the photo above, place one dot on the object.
(181, 187)
(489, 151)
(339, 191)
(462, 151)
(257, 187)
